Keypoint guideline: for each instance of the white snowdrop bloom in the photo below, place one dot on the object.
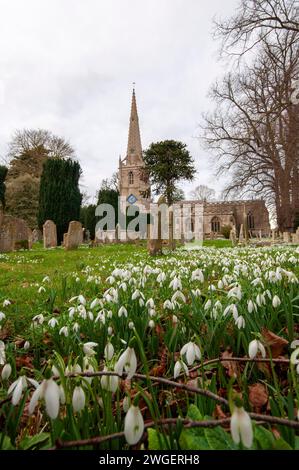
(250, 306)
(110, 330)
(41, 289)
(254, 347)
(196, 292)
(276, 301)
(178, 295)
(150, 304)
(134, 425)
(220, 285)
(235, 292)
(151, 324)
(136, 294)
(131, 325)
(26, 345)
(123, 286)
(82, 300)
(88, 368)
(109, 382)
(108, 351)
(192, 352)
(55, 371)
(110, 280)
(64, 331)
(257, 282)
(234, 311)
(90, 315)
(53, 322)
(240, 322)
(77, 279)
(109, 314)
(49, 391)
(46, 279)
(179, 367)
(227, 310)
(208, 304)
(211, 288)
(72, 312)
(218, 305)
(260, 300)
(294, 357)
(61, 395)
(2, 316)
(161, 278)
(241, 427)
(152, 312)
(122, 312)
(101, 318)
(197, 275)
(82, 312)
(6, 303)
(18, 386)
(88, 348)
(76, 327)
(94, 303)
(73, 299)
(38, 319)
(168, 305)
(176, 284)
(141, 302)
(6, 372)
(174, 319)
(78, 399)
(128, 362)
(295, 344)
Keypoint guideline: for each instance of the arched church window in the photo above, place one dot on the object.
(250, 220)
(215, 225)
(131, 177)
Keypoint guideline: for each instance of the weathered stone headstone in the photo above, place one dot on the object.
(36, 235)
(294, 237)
(241, 234)
(14, 233)
(74, 236)
(297, 236)
(49, 234)
(154, 245)
(233, 236)
(287, 237)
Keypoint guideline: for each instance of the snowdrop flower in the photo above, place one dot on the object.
(234, 311)
(94, 303)
(152, 312)
(250, 306)
(179, 367)
(53, 322)
(48, 390)
(174, 319)
(208, 304)
(88, 368)
(64, 331)
(136, 294)
(168, 305)
(6, 372)
(108, 351)
(18, 386)
(196, 292)
(41, 289)
(240, 322)
(72, 312)
(260, 300)
(212, 288)
(2, 353)
(131, 325)
(254, 347)
(76, 327)
(178, 295)
(6, 303)
(82, 300)
(128, 362)
(78, 399)
(110, 330)
(88, 348)
(26, 345)
(197, 275)
(161, 278)
(61, 395)
(122, 312)
(134, 425)
(2, 316)
(220, 285)
(192, 352)
(150, 304)
(38, 319)
(241, 427)
(109, 382)
(276, 301)
(295, 344)
(151, 324)
(235, 292)
(46, 279)
(176, 283)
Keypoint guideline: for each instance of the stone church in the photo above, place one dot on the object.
(134, 190)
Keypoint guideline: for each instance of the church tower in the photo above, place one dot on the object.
(133, 184)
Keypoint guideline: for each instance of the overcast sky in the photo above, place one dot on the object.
(68, 66)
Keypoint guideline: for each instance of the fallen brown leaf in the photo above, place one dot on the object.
(231, 367)
(258, 396)
(274, 342)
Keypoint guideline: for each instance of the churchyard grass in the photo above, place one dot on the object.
(69, 318)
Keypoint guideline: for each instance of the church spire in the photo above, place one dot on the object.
(134, 152)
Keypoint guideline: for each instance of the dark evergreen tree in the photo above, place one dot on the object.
(88, 219)
(3, 173)
(60, 197)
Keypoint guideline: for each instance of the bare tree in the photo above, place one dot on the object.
(256, 20)
(203, 193)
(254, 131)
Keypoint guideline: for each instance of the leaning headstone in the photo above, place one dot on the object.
(233, 236)
(36, 235)
(241, 234)
(74, 236)
(49, 234)
(297, 236)
(287, 237)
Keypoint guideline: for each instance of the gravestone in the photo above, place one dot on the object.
(74, 236)
(287, 237)
(233, 236)
(297, 236)
(14, 233)
(36, 235)
(241, 234)
(49, 234)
